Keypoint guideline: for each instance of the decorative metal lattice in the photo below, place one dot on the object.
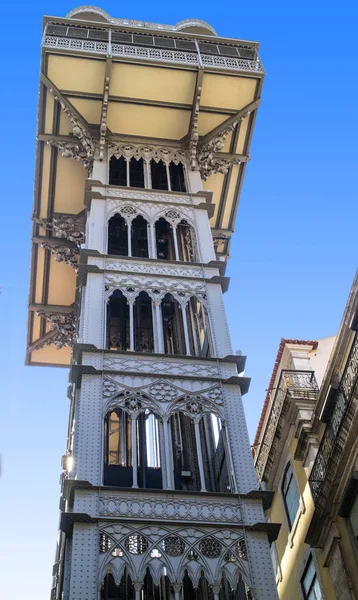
(173, 545)
(230, 557)
(133, 403)
(105, 542)
(210, 547)
(241, 548)
(136, 544)
(342, 401)
(117, 551)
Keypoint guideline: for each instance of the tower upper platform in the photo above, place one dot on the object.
(112, 86)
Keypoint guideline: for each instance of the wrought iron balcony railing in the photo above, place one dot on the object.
(300, 384)
(341, 404)
(157, 48)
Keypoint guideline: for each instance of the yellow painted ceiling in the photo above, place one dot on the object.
(89, 109)
(76, 74)
(131, 119)
(152, 83)
(226, 91)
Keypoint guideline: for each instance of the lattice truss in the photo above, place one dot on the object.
(173, 550)
(163, 398)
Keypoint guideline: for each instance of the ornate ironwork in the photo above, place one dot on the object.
(295, 383)
(63, 327)
(341, 405)
(233, 57)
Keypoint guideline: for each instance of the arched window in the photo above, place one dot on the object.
(198, 327)
(143, 324)
(177, 177)
(149, 464)
(290, 494)
(118, 322)
(118, 449)
(185, 458)
(139, 236)
(159, 175)
(165, 240)
(136, 172)
(186, 242)
(119, 446)
(150, 591)
(117, 171)
(118, 236)
(124, 591)
(173, 331)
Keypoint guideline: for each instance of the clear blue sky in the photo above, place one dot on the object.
(294, 252)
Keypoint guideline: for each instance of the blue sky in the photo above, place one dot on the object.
(294, 252)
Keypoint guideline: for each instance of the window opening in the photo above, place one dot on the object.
(136, 172)
(186, 244)
(177, 177)
(309, 582)
(118, 171)
(290, 494)
(159, 175)
(118, 322)
(118, 449)
(143, 324)
(139, 235)
(197, 319)
(150, 472)
(118, 236)
(165, 240)
(173, 331)
(214, 455)
(124, 591)
(185, 458)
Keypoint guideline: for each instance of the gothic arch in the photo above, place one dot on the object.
(123, 566)
(132, 401)
(128, 210)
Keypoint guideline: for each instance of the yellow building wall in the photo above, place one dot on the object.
(291, 559)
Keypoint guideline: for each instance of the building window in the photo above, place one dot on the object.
(290, 495)
(118, 322)
(143, 324)
(139, 237)
(186, 242)
(159, 175)
(119, 444)
(177, 178)
(136, 172)
(165, 240)
(118, 171)
(309, 582)
(173, 331)
(118, 236)
(274, 558)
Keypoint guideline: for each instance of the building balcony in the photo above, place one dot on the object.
(154, 48)
(326, 460)
(293, 386)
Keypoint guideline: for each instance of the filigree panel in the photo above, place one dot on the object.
(147, 153)
(156, 269)
(149, 196)
(162, 366)
(63, 327)
(187, 548)
(151, 212)
(174, 510)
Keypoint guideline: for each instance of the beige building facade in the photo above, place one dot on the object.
(310, 469)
